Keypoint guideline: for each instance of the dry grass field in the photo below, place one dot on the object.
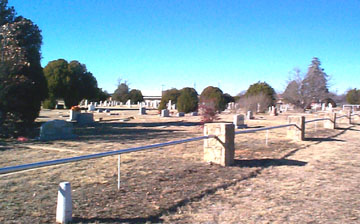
(314, 181)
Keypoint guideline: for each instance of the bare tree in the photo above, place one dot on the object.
(303, 90)
(259, 102)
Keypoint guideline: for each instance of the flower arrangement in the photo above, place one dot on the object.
(76, 108)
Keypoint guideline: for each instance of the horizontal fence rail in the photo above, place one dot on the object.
(264, 129)
(320, 119)
(12, 169)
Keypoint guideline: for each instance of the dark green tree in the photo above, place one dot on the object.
(100, 95)
(69, 81)
(170, 94)
(122, 92)
(261, 88)
(213, 96)
(22, 83)
(136, 96)
(188, 100)
(353, 96)
(228, 98)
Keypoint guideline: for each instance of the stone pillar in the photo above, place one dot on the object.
(331, 122)
(296, 132)
(219, 150)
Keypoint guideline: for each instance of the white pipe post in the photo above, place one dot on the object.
(267, 136)
(64, 203)
(119, 172)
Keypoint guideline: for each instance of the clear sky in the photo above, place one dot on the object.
(227, 44)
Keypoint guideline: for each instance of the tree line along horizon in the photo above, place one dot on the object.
(25, 86)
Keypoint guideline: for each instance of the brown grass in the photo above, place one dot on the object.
(171, 184)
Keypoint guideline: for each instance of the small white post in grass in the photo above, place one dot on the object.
(119, 172)
(64, 203)
(267, 137)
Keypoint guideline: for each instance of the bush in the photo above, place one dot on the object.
(208, 111)
(188, 100)
(49, 104)
(136, 96)
(22, 82)
(214, 96)
(353, 96)
(259, 93)
(170, 94)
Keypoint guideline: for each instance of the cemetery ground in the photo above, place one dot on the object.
(314, 181)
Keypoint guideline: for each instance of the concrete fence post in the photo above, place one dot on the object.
(296, 132)
(219, 150)
(331, 122)
(349, 116)
(64, 203)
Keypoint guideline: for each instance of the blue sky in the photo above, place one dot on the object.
(229, 44)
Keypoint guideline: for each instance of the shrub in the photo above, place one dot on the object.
(353, 96)
(214, 96)
(170, 94)
(208, 111)
(136, 96)
(188, 100)
(49, 103)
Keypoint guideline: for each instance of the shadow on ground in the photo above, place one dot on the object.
(264, 163)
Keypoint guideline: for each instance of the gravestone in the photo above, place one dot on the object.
(91, 107)
(180, 114)
(85, 118)
(194, 113)
(164, 113)
(128, 103)
(55, 130)
(249, 115)
(239, 121)
(142, 110)
(169, 105)
(73, 115)
(273, 111)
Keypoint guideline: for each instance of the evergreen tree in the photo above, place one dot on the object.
(22, 83)
(314, 87)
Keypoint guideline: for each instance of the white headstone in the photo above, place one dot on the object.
(169, 105)
(73, 115)
(238, 120)
(91, 107)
